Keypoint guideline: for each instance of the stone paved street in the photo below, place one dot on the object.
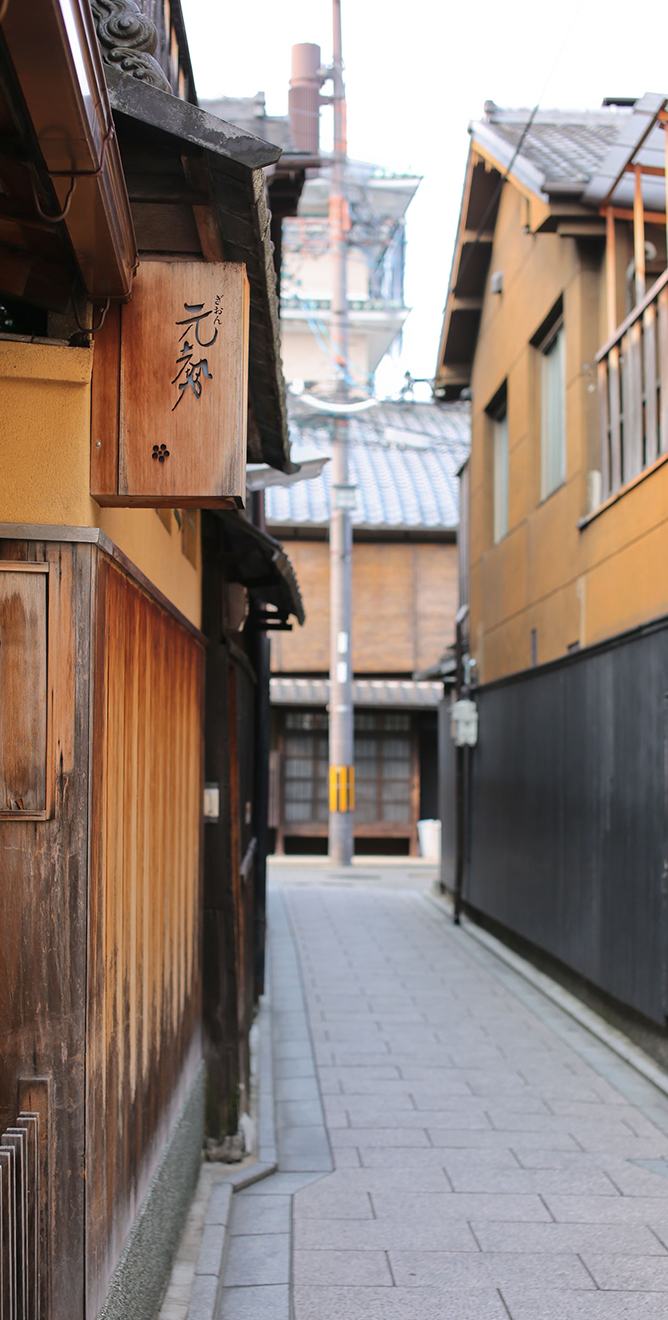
(483, 1155)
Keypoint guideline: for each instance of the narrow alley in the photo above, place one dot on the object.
(451, 1142)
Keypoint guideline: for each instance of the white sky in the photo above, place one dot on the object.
(416, 73)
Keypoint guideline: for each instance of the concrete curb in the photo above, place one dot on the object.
(586, 1017)
(208, 1281)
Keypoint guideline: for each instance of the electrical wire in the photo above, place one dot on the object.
(527, 127)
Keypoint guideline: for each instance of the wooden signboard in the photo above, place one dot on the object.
(170, 390)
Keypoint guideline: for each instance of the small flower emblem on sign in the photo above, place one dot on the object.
(160, 452)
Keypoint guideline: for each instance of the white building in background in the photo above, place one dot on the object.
(298, 194)
(377, 202)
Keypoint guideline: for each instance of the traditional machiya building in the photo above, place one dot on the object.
(140, 366)
(556, 324)
(403, 462)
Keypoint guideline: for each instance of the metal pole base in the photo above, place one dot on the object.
(341, 838)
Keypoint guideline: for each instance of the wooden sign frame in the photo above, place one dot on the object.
(170, 390)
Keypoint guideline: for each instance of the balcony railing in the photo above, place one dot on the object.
(633, 390)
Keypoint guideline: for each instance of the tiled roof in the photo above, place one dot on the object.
(403, 693)
(561, 145)
(403, 458)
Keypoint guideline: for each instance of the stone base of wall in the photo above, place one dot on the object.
(139, 1280)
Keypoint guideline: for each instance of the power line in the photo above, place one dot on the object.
(495, 195)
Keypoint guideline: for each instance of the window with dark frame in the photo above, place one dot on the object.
(550, 341)
(497, 411)
(383, 767)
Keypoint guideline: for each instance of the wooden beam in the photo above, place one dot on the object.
(470, 236)
(465, 304)
(665, 134)
(611, 272)
(623, 213)
(639, 236)
(658, 170)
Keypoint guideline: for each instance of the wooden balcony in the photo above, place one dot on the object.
(633, 390)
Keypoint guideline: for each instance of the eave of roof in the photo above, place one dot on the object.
(232, 174)
(564, 199)
(260, 563)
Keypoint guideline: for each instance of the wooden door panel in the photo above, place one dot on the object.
(23, 689)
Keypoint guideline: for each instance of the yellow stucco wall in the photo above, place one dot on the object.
(570, 585)
(45, 465)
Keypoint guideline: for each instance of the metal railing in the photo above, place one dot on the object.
(19, 1220)
(633, 390)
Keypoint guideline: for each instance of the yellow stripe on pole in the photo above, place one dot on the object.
(342, 788)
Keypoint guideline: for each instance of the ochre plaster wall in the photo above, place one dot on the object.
(572, 586)
(404, 604)
(45, 465)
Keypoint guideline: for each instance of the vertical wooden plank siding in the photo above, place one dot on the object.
(650, 379)
(632, 378)
(663, 367)
(43, 928)
(614, 381)
(604, 426)
(144, 964)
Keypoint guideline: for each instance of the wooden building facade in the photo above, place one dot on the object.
(403, 461)
(136, 586)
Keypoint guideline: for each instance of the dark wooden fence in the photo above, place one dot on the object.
(568, 842)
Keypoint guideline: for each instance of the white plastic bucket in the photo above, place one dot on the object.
(429, 836)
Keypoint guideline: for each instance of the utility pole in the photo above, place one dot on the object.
(341, 744)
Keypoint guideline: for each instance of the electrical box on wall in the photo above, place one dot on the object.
(464, 723)
(170, 390)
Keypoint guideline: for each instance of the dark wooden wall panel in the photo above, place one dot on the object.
(144, 985)
(43, 928)
(569, 824)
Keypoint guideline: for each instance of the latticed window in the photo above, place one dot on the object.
(306, 750)
(382, 768)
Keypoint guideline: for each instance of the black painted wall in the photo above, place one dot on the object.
(568, 816)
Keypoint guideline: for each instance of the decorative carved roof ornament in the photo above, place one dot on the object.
(128, 39)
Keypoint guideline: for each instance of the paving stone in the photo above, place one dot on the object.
(269, 1302)
(487, 1269)
(562, 1304)
(346, 1303)
(211, 1250)
(282, 1184)
(399, 1135)
(415, 1234)
(300, 1067)
(258, 1259)
(361, 1268)
(296, 1088)
(220, 1205)
(261, 1214)
(629, 1273)
(299, 1113)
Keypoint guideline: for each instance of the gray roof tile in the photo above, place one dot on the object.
(403, 458)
